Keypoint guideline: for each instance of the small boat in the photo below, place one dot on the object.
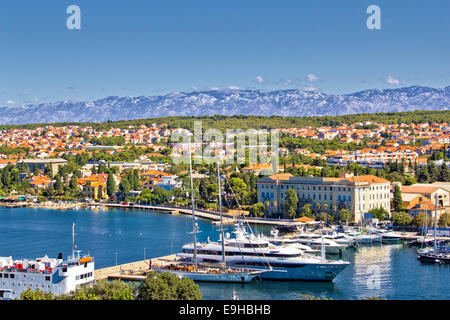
(390, 237)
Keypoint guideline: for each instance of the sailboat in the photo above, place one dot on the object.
(436, 254)
(279, 262)
(208, 272)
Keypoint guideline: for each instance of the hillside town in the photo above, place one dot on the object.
(350, 172)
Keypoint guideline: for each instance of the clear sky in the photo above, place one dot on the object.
(145, 47)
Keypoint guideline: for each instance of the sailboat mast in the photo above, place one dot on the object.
(359, 201)
(193, 207)
(435, 221)
(73, 240)
(220, 208)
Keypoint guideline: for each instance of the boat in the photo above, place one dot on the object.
(341, 238)
(437, 254)
(314, 241)
(196, 271)
(56, 276)
(390, 237)
(286, 262)
(284, 241)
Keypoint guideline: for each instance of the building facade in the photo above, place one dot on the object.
(358, 194)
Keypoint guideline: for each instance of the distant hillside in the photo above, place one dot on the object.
(256, 122)
(286, 103)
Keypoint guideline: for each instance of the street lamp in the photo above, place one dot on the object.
(116, 258)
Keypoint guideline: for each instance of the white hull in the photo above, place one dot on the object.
(282, 269)
(370, 238)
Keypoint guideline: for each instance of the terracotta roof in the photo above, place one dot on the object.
(418, 189)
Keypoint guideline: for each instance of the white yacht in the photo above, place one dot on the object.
(315, 241)
(284, 241)
(341, 238)
(56, 276)
(365, 238)
(283, 262)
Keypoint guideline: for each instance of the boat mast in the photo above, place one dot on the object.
(194, 231)
(220, 208)
(435, 221)
(359, 202)
(73, 241)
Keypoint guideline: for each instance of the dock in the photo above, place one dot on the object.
(133, 271)
(15, 205)
(205, 214)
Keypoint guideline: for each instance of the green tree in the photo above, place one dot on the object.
(73, 183)
(167, 286)
(380, 213)
(257, 210)
(444, 174)
(344, 215)
(401, 219)
(306, 211)
(114, 290)
(29, 294)
(397, 201)
(59, 187)
(444, 220)
(290, 203)
(124, 186)
(110, 185)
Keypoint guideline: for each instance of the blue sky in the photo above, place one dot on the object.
(144, 47)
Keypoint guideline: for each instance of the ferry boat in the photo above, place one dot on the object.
(286, 262)
(52, 275)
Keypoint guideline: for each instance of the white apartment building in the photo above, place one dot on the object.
(358, 194)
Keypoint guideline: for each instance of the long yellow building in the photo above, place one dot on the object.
(358, 194)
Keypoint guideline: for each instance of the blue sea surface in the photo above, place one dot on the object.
(385, 271)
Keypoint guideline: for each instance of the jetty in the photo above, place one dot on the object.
(133, 271)
(210, 215)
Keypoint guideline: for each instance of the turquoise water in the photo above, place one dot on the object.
(386, 271)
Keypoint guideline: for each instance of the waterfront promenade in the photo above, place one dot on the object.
(210, 215)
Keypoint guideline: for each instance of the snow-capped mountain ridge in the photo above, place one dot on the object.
(291, 102)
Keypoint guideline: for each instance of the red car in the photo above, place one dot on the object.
(125, 203)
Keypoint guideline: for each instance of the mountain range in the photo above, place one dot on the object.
(292, 102)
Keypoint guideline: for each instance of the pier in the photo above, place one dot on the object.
(210, 215)
(133, 271)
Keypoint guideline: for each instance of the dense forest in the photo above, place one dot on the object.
(246, 122)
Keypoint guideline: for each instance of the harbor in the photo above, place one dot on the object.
(122, 242)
